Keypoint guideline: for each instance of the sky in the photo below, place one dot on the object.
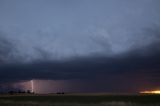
(109, 45)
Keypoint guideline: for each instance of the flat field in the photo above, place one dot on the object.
(80, 100)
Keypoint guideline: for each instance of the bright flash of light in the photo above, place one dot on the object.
(32, 86)
(151, 92)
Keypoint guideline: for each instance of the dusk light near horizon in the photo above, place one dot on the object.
(151, 92)
(80, 46)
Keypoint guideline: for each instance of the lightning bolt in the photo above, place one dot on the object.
(32, 86)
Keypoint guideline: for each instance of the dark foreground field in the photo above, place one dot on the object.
(80, 100)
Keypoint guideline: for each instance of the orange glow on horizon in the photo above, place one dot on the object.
(151, 92)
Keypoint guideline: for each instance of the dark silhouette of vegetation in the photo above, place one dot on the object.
(11, 92)
(60, 93)
(28, 91)
(20, 92)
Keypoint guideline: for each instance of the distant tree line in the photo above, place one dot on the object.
(11, 92)
(60, 93)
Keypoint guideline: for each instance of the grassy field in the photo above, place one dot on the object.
(80, 100)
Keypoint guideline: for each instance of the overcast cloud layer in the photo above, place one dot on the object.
(80, 39)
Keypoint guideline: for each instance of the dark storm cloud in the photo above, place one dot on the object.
(140, 61)
(128, 64)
